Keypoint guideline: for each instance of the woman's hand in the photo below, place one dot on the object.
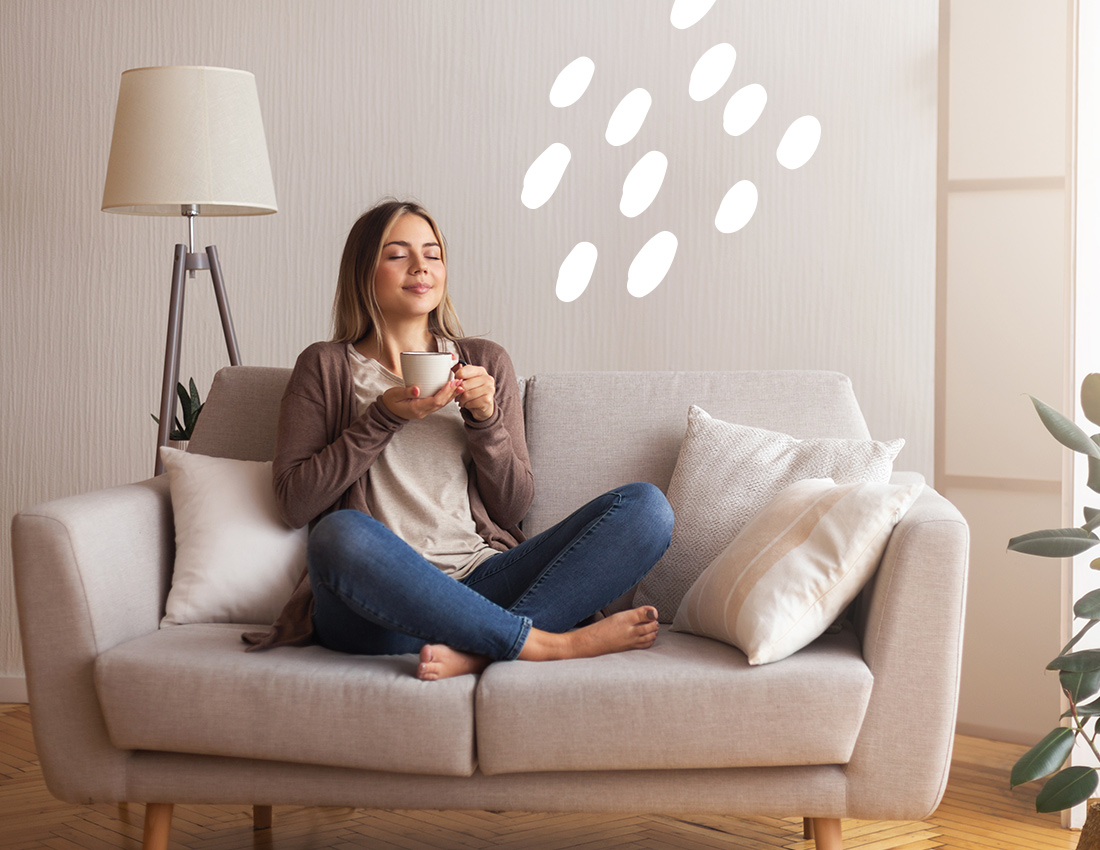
(477, 391)
(407, 403)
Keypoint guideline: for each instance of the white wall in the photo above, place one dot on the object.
(448, 102)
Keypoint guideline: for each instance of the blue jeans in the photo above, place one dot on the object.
(375, 595)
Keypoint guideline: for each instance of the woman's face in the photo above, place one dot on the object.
(411, 278)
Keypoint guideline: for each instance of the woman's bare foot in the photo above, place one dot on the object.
(438, 661)
(633, 629)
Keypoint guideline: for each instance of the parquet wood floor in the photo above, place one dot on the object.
(979, 812)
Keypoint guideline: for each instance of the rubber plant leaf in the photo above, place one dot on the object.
(1084, 661)
(1066, 789)
(1044, 758)
(1065, 431)
(1088, 606)
(1090, 397)
(1079, 686)
(1090, 709)
(1094, 469)
(1054, 542)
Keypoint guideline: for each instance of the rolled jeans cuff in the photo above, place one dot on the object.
(521, 639)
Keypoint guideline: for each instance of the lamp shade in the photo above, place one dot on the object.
(188, 135)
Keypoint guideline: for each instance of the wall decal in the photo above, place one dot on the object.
(628, 117)
(542, 178)
(737, 207)
(711, 71)
(651, 264)
(644, 181)
(687, 13)
(575, 272)
(743, 109)
(799, 142)
(572, 82)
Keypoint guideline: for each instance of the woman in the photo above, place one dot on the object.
(414, 501)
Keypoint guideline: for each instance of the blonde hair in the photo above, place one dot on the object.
(355, 310)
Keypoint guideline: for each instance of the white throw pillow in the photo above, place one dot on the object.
(724, 474)
(795, 567)
(236, 560)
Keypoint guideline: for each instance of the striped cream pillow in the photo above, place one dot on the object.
(795, 567)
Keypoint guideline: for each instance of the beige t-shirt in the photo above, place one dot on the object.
(417, 487)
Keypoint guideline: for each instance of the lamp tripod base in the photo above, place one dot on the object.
(183, 262)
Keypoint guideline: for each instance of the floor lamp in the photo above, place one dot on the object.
(188, 141)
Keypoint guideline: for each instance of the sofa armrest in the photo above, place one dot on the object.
(91, 572)
(912, 631)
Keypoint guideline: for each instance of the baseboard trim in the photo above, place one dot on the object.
(996, 733)
(13, 689)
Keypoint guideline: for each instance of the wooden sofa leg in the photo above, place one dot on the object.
(808, 829)
(261, 817)
(158, 823)
(827, 833)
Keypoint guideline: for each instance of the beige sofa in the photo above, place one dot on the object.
(857, 725)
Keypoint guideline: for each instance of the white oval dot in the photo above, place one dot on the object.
(737, 207)
(799, 142)
(544, 175)
(643, 183)
(628, 116)
(711, 71)
(572, 82)
(686, 13)
(575, 272)
(651, 264)
(744, 108)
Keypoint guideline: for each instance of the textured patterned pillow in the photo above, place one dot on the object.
(795, 567)
(725, 474)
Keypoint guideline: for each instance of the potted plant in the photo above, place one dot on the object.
(1078, 669)
(190, 407)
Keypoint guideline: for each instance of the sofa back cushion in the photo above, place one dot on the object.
(586, 431)
(240, 413)
(590, 431)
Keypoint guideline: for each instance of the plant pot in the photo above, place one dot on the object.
(1090, 833)
(178, 444)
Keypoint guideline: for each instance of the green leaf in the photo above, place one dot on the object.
(1092, 518)
(195, 403)
(1089, 709)
(1054, 542)
(1084, 661)
(1064, 430)
(1077, 637)
(1088, 606)
(1044, 758)
(185, 400)
(1090, 397)
(1066, 789)
(1079, 686)
(1074, 641)
(1094, 471)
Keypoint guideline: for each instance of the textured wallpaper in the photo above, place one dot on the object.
(832, 268)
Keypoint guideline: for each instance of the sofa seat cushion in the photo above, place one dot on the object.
(193, 689)
(687, 702)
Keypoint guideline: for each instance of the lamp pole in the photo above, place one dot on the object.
(189, 261)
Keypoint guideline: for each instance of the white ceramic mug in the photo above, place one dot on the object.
(428, 370)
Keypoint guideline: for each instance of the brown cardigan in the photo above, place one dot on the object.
(324, 451)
